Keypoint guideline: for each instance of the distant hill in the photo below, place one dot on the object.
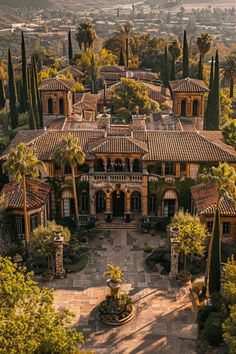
(26, 3)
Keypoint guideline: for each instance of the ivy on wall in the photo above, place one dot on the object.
(181, 185)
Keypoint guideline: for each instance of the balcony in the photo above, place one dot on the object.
(112, 177)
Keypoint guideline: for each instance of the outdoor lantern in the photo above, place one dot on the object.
(174, 234)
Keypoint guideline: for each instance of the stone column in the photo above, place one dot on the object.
(58, 241)
(128, 201)
(174, 242)
(108, 201)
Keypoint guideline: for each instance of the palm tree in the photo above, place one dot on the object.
(204, 43)
(85, 35)
(224, 178)
(70, 153)
(174, 49)
(229, 71)
(21, 163)
(125, 32)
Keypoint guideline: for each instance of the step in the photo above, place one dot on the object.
(113, 226)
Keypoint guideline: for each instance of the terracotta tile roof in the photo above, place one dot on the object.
(145, 76)
(57, 124)
(111, 68)
(57, 84)
(74, 70)
(185, 146)
(188, 85)
(205, 198)
(111, 76)
(86, 101)
(116, 145)
(37, 194)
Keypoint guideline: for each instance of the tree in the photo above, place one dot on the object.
(229, 329)
(22, 162)
(32, 120)
(85, 35)
(34, 96)
(175, 52)
(28, 321)
(185, 57)
(125, 32)
(71, 153)
(165, 71)
(70, 47)
(38, 93)
(131, 94)
(228, 66)
(223, 178)
(229, 133)
(14, 116)
(206, 115)
(121, 57)
(200, 69)
(204, 43)
(42, 240)
(213, 108)
(226, 107)
(192, 235)
(25, 104)
(2, 94)
(215, 257)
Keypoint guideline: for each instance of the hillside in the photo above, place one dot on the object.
(81, 5)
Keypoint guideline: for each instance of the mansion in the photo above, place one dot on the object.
(147, 168)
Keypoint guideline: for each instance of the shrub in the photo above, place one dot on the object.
(212, 331)
(203, 314)
(162, 256)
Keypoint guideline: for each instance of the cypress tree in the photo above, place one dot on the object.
(185, 57)
(93, 75)
(25, 104)
(200, 69)
(70, 48)
(32, 120)
(2, 94)
(39, 98)
(14, 116)
(121, 58)
(34, 100)
(165, 69)
(173, 70)
(213, 115)
(206, 115)
(215, 257)
(127, 52)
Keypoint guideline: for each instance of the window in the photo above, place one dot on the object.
(183, 166)
(50, 108)
(226, 228)
(33, 222)
(169, 207)
(61, 106)
(67, 169)
(136, 202)
(159, 169)
(20, 225)
(57, 166)
(69, 207)
(210, 226)
(152, 203)
(137, 167)
(170, 168)
(84, 200)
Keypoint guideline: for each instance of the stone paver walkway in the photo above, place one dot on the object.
(164, 320)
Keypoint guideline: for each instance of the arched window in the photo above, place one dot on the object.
(137, 166)
(61, 106)
(127, 165)
(152, 203)
(100, 201)
(118, 166)
(183, 108)
(50, 108)
(170, 203)
(67, 169)
(195, 108)
(136, 202)
(99, 165)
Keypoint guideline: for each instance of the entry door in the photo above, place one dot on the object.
(118, 201)
(169, 207)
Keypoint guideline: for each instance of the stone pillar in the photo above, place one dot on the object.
(108, 201)
(145, 196)
(174, 265)
(177, 169)
(128, 201)
(58, 241)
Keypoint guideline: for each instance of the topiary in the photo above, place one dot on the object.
(212, 331)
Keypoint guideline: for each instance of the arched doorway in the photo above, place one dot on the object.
(61, 106)
(137, 166)
(50, 108)
(152, 204)
(118, 166)
(100, 201)
(136, 202)
(99, 165)
(170, 203)
(183, 108)
(195, 108)
(118, 203)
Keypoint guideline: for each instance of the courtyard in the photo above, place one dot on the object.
(164, 320)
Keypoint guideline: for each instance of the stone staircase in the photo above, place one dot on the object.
(119, 226)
